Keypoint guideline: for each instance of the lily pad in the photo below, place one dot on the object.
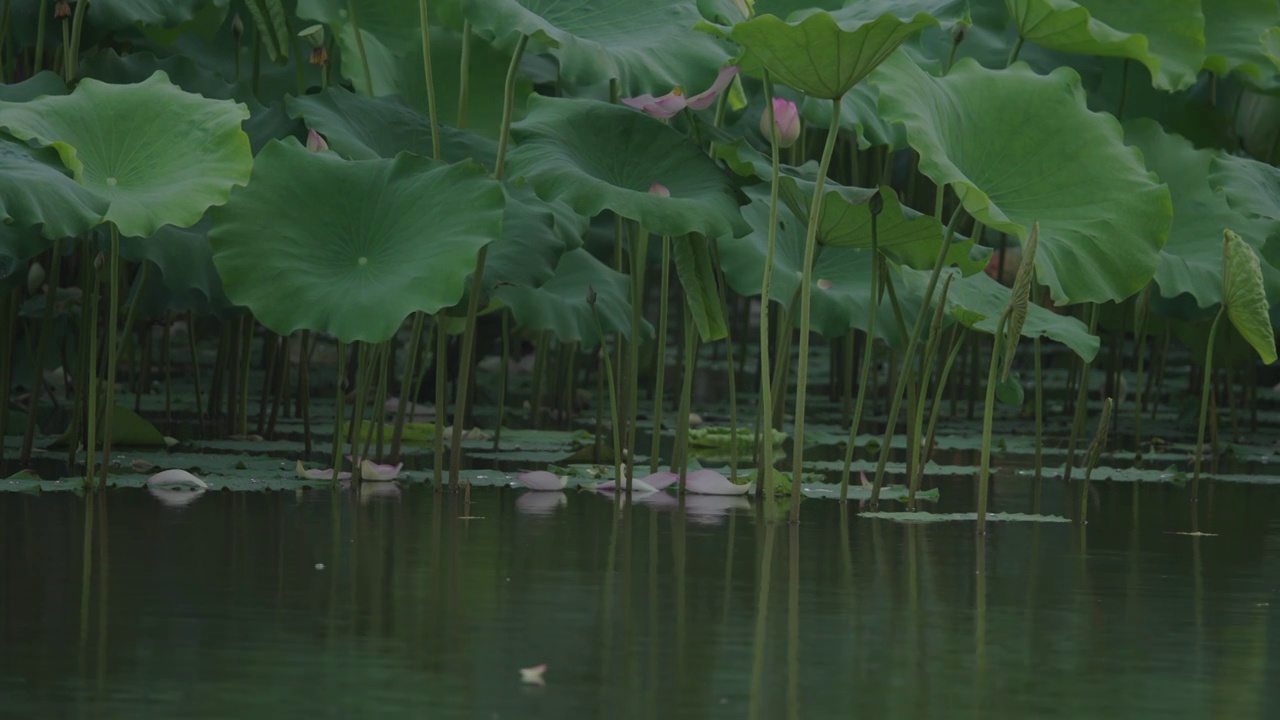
(157, 154)
(570, 150)
(408, 236)
(999, 139)
(926, 517)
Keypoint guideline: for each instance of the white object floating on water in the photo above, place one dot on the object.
(543, 481)
(176, 479)
(533, 675)
(317, 474)
(319, 566)
(710, 482)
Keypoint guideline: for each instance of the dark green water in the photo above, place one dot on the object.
(218, 610)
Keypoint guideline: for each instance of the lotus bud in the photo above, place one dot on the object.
(313, 35)
(35, 278)
(237, 27)
(659, 190)
(787, 120)
(61, 10)
(316, 142)
(319, 56)
(99, 261)
(824, 284)
(877, 204)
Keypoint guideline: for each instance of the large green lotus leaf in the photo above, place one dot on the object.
(1233, 32)
(1191, 260)
(394, 22)
(183, 257)
(159, 155)
(122, 14)
(824, 54)
(1019, 148)
(904, 234)
(42, 83)
(1245, 296)
(859, 115)
(534, 233)
(352, 247)
(265, 123)
(560, 304)
(36, 189)
(648, 46)
(1250, 187)
(364, 128)
(1167, 36)
(595, 157)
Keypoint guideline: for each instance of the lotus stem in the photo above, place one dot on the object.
(935, 410)
(41, 24)
(113, 342)
(686, 392)
(508, 105)
(613, 403)
(73, 50)
(1015, 50)
(441, 360)
(282, 384)
(1096, 449)
(988, 410)
(195, 370)
(639, 253)
(762, 615)
(406, 381)
(8, 333)
(1205, 388)
(733, 383)
(915, 467)
(464, 75)
(659, 392)
(896, 402)
(1039, 461)
(764, 478)
(806, 292)
(1082, 399)
(864, 373)
(37, 373)
(337, 415)
(503, 372)
(425, 27)
(364, 57)
(246, 361)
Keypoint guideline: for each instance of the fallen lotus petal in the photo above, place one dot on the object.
(660, 480)
(176, 479)
(533, 675)
(673, 102)
(710, 482)
(317, 474)
(543, 481)
(376, 472)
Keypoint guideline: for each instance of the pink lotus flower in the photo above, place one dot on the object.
(787, 120)
(316, 142)
(543, 481)
(675, 101)
(317, 474)
(659, 190)
(710, 482)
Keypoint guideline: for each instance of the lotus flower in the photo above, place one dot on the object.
(176, 479)
(317, 474)
(710, 482)
(787, 120)
(316, 142)
(543, 481)
(675, 101)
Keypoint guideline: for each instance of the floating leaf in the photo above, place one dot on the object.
(999, 139)
(927, 517)
(352, 247)
(159, 155)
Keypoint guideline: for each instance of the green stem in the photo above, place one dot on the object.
(1013, 53)
(1140, 346)
(639, 252)
(508, 105)
(659, 391)
(733, 383)
(686, 392)
(900, 386)
(864, 373)
(113, 342)
(41, 24)
(914, 449)
(131, 315)
(464, 75)
(364, 57)
(988, 410)
(1205, 389)
(406, 400)
(503, 372)
(1039, 410)
(1082, 400)
(424, 25)
(613, 407)
(935, 411)
(37, 372)
(764, 477)
(73, 52)
(337, 413)
(806, 292)
(442, 360)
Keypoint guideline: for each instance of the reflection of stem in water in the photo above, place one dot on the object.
(628, 670)
(86, 570)
(653, 609)
(728, 569)
(980, 627)
(762, 615)
(104, 572)
(606, 597)
(793, 624)
(678, 525)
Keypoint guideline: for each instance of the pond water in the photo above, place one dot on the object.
(411, 604)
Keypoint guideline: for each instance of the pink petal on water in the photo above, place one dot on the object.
(638, 485)
(543, 481)
(317, 474)
(376, 472)
(703, 100)
(710, 482)
(660, 480)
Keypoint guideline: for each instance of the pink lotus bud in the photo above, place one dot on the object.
(316, 142)
(660, 190)
(824, 284)
(787, 120)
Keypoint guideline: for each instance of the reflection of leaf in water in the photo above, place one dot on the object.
(856, 492)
